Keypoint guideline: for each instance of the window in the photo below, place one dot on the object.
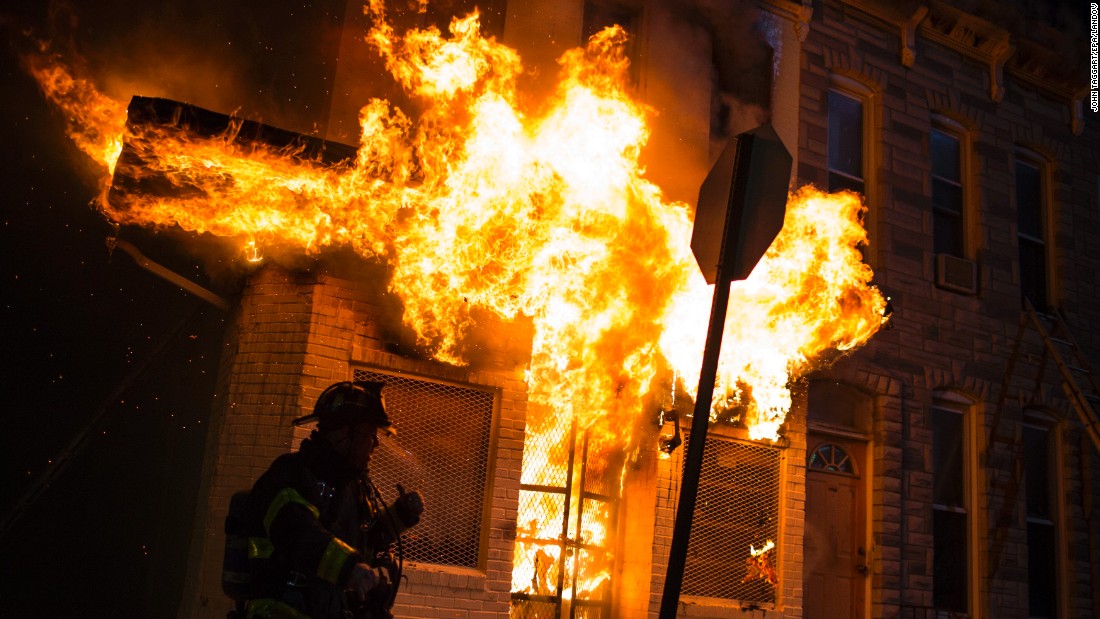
(737, 511)
(1042, 534)
(600, 14)
(442, 449)
(950, 515)
(1031, 232)
(948, 221)
(845, 152)
(833, 458)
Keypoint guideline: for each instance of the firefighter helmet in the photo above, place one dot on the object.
(346, 403)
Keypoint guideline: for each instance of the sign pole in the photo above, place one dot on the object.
(689, 488)
(741, 207)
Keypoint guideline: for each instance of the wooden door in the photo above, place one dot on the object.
(835, 562)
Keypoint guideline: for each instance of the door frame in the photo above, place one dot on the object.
(818, 433)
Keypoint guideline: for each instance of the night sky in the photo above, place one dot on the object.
(94, 346)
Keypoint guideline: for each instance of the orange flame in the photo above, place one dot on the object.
(545, 214)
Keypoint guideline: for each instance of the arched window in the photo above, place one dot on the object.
(832, 458)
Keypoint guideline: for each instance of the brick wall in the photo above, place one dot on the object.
(947, 342)
(293, 334)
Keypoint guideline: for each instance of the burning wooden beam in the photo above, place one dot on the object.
(139, 173)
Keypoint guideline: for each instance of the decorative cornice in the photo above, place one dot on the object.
(901, 16)
(1039, 66)
(799, 12)
(974, 37)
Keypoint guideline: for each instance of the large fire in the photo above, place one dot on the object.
(478, 204)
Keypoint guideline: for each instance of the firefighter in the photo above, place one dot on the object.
(319, 536)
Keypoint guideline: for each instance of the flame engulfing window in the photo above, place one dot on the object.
(442, 450)
(568, 499)
(736, 512)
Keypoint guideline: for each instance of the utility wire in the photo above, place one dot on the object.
(78, 443)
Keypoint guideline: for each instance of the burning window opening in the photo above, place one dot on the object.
(566, 523)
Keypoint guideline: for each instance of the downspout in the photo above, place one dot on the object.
(165, 273)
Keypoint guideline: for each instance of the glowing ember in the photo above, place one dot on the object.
(544, 213)
(759, 565)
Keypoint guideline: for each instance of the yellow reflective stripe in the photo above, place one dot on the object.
(268, 608)
(336, 554)
(260, 548)
(285, 497)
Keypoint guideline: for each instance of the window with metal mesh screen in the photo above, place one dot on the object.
(737, 511)
(566, 521)
(442, 450)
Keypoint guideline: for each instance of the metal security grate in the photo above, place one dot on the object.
(737, 507)
(566, 523)
(442, 450)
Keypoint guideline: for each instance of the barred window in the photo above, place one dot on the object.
(736, 511)
(441, 449)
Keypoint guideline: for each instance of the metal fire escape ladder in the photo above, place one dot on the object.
(1078, 381)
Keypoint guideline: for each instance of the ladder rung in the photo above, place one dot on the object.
(1061, 341)
(1077, 368)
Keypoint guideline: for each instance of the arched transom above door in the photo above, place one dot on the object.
(832, 458)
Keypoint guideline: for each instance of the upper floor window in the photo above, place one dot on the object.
(845, 155)
(948, 220)
(1031, 231)
(600, 14)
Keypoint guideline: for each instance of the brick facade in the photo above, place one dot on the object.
(945, 342)
(295, 332)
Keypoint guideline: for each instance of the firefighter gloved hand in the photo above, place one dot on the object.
(365, 579)
(408, 507)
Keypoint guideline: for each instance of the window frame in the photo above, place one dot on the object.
(955, 403)
(953, 129)
(859, 88)
(1042, 166)
(1050, 423)
(830, 168)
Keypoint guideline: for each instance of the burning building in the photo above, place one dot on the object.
(505, 243)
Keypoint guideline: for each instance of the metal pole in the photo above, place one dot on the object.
(689, 488)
